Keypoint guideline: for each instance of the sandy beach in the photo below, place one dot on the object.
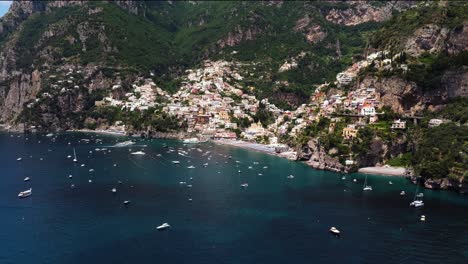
(386, 170)
(247, 145)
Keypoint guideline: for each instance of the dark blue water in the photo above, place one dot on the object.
(274, 220)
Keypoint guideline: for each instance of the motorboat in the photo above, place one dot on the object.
(114, 190)
(343, 178)
(244, 185)
(70, 176)
(206, 164)
(423, 218)
(367, 188)
(354, 180)
(126, 202)
(176, 162)
(182, 183)
(19, 159)
(138, 153)
(27, 179)
(191, 167)
(25, 194)
(291, 176)
(50, 135)
(335, 231)
(163, 226)
(390, 182)
(402, 193)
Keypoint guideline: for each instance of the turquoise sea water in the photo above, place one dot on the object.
(273, 220)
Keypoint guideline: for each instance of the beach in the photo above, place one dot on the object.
(106, 132)
(385, 170)
(248, 145)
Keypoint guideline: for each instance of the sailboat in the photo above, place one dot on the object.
(74, 156)
(366, 187)
(417, 201)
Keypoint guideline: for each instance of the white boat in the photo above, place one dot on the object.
(114, 190)
(182, 183)
(124, 144)
(390, 182)
(126, 202)
(138, 153)
(423, 218)
(69, 156)
(354, 180)
(176, 162)
(191, 167)
(343, 178)
(402, 193)
(206, 164)
(19, 159)
(291, 176)
(25, 194)
(163, 226)
(50, 135)
(417, 203)
(74, 156)
(334, 230)
(27, 179)
(191, 140)
(244, 185)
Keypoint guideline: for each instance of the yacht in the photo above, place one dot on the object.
(417, 203)
(114, 190)
(176, 162)
(191, 167)
(334, 230)
(25, 193)
(19, 159)
(163, 226)
(244, 185)
(27, 179)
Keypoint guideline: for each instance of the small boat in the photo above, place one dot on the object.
(189, 199)
(265, 167)
(82, 165)
(290, 176)
(335, 231)
(189, 185)
(260, 174)
(206, 164)
(138, 153)
(191, 167)
(91, 170)
(19, 159)
(423, 218)
(402, 193)
(176, 162)
(354, 180)
(90, 181)
(69, 156)
(182, 183)
(25, 194)
(163, 226)
(343, 178)
(72, 186)
(390, 182)
(27, 179)
(114, 190)
(244, 185)
(50, 135)
(126, 202)
(250, 167)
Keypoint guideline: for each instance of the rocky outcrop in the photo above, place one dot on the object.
(458, 39)
(395, 92)
(362, 12)
(312, 32)
(446, 184)
(430, 38)
(319, 159)
(237, 35)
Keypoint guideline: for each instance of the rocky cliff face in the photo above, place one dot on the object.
(316, 156)
(362, 12)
